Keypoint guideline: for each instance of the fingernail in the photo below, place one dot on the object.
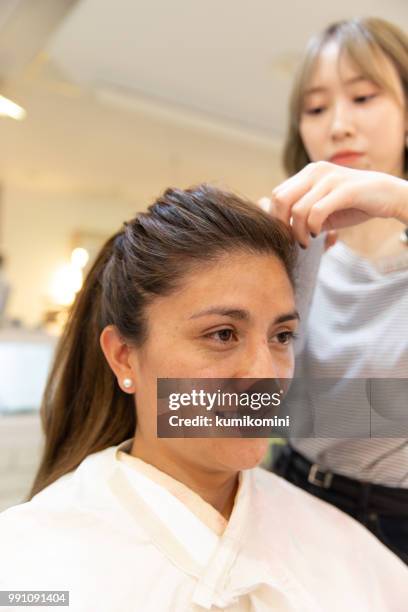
(313, 235)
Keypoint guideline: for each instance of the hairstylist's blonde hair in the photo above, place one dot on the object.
(366, 41)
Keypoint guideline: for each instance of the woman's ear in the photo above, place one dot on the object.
(406, 123)
(117, 354)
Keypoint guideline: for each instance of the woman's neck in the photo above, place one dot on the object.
(217, 488)
(378, 238)
(375, 239)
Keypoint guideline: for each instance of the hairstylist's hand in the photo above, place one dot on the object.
(268, 206)
(325, 196)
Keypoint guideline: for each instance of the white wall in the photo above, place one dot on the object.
(21, 442)
(38, 224)
(38, 232)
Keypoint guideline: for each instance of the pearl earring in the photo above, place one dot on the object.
(127, 383)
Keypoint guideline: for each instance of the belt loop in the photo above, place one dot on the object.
(319, 478)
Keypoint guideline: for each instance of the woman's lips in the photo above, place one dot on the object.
(345, 158)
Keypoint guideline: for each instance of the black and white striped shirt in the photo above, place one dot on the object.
(357, 328)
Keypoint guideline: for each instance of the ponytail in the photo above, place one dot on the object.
(83, 409)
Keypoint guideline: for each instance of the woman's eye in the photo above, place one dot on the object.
(222, 335)
(285, 337)
(362, 99)
(317, 110)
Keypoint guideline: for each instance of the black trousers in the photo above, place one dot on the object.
(383, 510)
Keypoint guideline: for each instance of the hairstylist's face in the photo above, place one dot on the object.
(231, 319)
(350, 120)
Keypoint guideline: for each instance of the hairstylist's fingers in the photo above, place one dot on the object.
(323, 208)
(335, 211)
(307, 177)
(285, 198)
(301, 210)
(308, 173)
(288, 193)
(269, 206)
(280, 209)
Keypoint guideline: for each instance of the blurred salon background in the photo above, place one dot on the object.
(102, 106)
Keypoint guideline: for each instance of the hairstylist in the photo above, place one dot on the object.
(348, 114)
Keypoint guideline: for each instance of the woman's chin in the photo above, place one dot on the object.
(241, 453)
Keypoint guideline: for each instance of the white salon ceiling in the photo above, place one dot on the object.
(109, 82)
(229, 58)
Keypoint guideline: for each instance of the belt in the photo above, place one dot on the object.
(382, 499)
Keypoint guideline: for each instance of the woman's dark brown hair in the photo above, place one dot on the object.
(84, 410)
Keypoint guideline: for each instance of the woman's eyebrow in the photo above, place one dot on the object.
(357, 79)
(225, 311)
(314, 90)
(242, 314)
(289, 316)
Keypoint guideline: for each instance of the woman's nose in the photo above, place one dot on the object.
(342, 125)
(258, 362)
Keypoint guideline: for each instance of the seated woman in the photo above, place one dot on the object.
(125, 520)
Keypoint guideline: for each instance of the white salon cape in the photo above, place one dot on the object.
(121, 536)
